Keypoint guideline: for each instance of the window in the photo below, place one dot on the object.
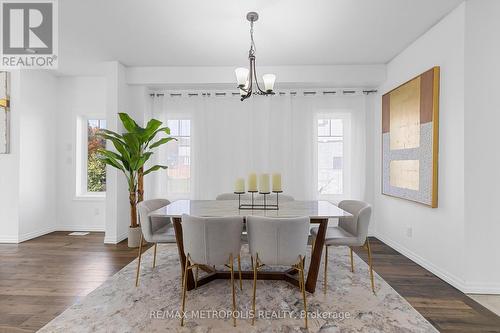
(96, 169)
(90, 171)
(331, 156)
(179, 157)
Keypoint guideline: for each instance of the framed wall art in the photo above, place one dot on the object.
(410, 142)
(4, 112)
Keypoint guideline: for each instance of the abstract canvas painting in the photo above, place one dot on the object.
(410, 128)
(4, 112)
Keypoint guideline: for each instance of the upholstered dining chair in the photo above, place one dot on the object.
(154, 229)
(258, 197)
(211, 241)
(351, 231)
(278, 241)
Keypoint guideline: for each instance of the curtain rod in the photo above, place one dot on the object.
(304, 92)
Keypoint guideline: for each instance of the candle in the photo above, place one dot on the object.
(264, 183)
(252, 182)
(239, 185)
(277, 182)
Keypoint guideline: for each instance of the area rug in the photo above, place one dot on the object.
(348, 305)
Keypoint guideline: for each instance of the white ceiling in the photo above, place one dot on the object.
(216, 33)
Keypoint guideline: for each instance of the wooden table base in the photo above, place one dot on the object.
(288, 275)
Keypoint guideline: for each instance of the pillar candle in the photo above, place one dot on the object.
(239, 185)
(277, 182)
(252, 182)
(264, 183)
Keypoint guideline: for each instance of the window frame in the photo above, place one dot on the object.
(182, 195)
(346, 154)
(81, 144)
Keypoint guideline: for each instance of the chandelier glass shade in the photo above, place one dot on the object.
(247, 77)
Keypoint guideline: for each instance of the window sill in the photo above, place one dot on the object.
(90, 197)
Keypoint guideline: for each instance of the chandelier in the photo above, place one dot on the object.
(246, 78)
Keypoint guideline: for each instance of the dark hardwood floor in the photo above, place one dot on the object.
(448, 309)
(42, 277)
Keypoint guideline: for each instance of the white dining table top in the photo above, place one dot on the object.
(319, 209)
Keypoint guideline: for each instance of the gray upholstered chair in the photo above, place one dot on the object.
(154, 229)
(211, 241)
(351, 231)
(278, 241)
(258, 197)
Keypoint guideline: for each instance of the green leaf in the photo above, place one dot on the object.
(161, 142)
(155, 168)
(140, 163)
(110, 154)
(103, 132)
(166, 130)
(129, 123)
(113, 163)
(152, 126)
(132, 143)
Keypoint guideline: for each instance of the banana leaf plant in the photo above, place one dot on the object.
(146, 137)
(133, 150)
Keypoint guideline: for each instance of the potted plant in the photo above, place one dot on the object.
(133, 150)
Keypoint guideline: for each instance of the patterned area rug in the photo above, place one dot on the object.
(348, 306)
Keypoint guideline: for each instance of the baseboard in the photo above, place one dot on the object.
(9, 240)
(442, 274)
(35, 234)
(48, 230)
(115, 240)
(80, 228)
(482, 288)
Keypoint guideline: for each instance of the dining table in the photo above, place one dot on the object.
(319, 212)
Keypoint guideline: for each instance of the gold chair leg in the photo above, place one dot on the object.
(138, 263)
(154, 256)
(352, 260)
(325, 278)
(251, 262)
(196, 277)
(301, 286)
(239, 271)
(254, 267)
(231, 259)
(370, 264)
(184, 287)
(303, 289)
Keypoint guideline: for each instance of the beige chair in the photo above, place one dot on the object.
(154, 229)
(211, 241)
(246, 197)
(351, 231)
(278, 241)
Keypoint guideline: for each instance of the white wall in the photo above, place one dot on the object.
(37, 177)
(9, 173)
(482, 154)
(77, 96)
(437, 242)
(37, 192)
(117, 204)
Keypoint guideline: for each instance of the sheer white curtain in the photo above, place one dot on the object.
(230, 139)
